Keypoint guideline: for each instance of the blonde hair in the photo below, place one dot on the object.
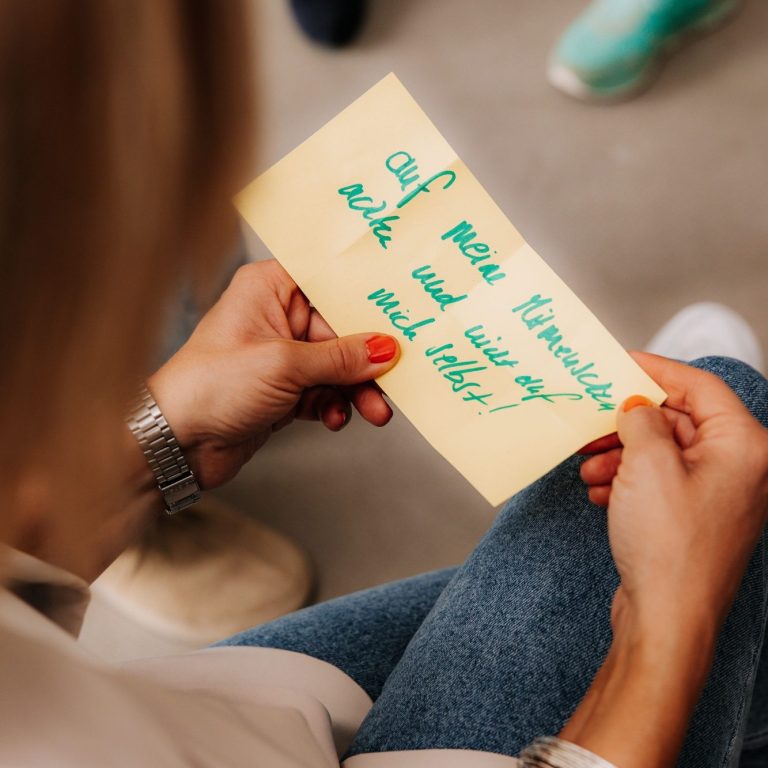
(124, 131)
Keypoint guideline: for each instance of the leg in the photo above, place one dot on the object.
(755, 750)
(363, 634)
(515, 639)
(722, 720)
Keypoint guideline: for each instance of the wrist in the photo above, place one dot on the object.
(636, 711)
(666, 658)
(172, 474)
(170, 400)
(684, 628)
(672, 637)
(172, 405)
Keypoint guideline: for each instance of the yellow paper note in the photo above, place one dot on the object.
(383, 227)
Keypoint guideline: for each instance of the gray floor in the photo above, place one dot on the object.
(641, 208)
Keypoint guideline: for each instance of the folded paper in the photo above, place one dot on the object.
(503, 369)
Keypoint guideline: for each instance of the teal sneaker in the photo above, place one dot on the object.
(615, 48)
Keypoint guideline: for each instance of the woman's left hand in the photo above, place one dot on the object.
(260, 358)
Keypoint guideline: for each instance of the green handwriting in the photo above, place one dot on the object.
(399, 318)
(457, 372)
(432, 287)
(407, 173)
(479, 340)
(357, 201)
(498, 357)
(569, 358)
(463, 234)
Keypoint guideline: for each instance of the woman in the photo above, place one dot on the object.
(123, 128)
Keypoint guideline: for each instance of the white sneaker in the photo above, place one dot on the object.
(705, 329)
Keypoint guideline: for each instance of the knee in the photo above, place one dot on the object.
(750, 385)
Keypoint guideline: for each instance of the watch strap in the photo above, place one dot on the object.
(173, 475)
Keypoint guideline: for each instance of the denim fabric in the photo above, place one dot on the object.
(510, 645)
(364, 634)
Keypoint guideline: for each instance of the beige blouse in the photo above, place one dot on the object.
(216, 708)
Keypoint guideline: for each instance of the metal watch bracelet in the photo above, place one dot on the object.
(173, 475)
(551, 752)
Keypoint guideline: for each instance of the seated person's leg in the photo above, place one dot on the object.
(516, 637)
(363, 634)
(750, 386)
(735, 674)
(755, 748)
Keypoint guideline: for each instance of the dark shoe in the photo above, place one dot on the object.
(330, 22)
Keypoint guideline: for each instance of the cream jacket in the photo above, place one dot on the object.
(217, 708)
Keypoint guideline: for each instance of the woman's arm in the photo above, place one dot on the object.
(260, 358)
(637, 709)
(687, 496)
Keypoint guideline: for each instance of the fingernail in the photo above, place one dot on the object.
(381, 349)
(343, 419)
(635, 401)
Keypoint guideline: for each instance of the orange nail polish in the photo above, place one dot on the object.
(635, 401)
(381, 349)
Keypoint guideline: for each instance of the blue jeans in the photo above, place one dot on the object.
(489, 655)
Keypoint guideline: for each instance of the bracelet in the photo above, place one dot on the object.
(173, 475)
(551, 752)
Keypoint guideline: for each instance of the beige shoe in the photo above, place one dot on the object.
(198, 577)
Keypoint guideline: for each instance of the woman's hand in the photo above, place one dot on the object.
(687, 492)
(260, 358)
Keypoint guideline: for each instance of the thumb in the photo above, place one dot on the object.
(643, 427)
(345, 360)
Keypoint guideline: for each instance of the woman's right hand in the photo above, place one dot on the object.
(686, 490)
(687, 496)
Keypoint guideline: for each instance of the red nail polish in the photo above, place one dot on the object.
(381, 349)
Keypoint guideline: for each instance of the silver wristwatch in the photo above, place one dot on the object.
(174, 477)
